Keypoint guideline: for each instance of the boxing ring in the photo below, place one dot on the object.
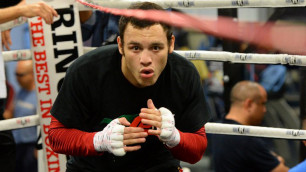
(56, 46)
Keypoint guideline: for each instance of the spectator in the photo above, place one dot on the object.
(242, 153)
(99, 28)
(25, 105)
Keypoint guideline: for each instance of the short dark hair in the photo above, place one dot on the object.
(123, 22)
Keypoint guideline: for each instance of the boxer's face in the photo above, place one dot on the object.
(144, 54)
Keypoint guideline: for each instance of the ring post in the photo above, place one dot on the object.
(54, 48)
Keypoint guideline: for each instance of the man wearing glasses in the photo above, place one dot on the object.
(25, 105)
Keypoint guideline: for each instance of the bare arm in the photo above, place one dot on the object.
(6, 39)
(84, 16)
(9, 112)
(28, 10)
(280, 168)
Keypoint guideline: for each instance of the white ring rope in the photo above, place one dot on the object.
(223, 56)
(16, 55)
(21, 122)
(244, 130)
(203, 3)
(13, 23)
(212, 128)
(245, 57)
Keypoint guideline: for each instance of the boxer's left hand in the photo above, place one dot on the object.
(164, 121)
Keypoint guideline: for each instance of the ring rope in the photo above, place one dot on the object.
(204, 3)
(211, 128)
(21, 122)
(244, 130)
(16, 55)
(13, 23)
(286, 38)
(245, 57)
(222, 56)
(294, 33)
(177, 4)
